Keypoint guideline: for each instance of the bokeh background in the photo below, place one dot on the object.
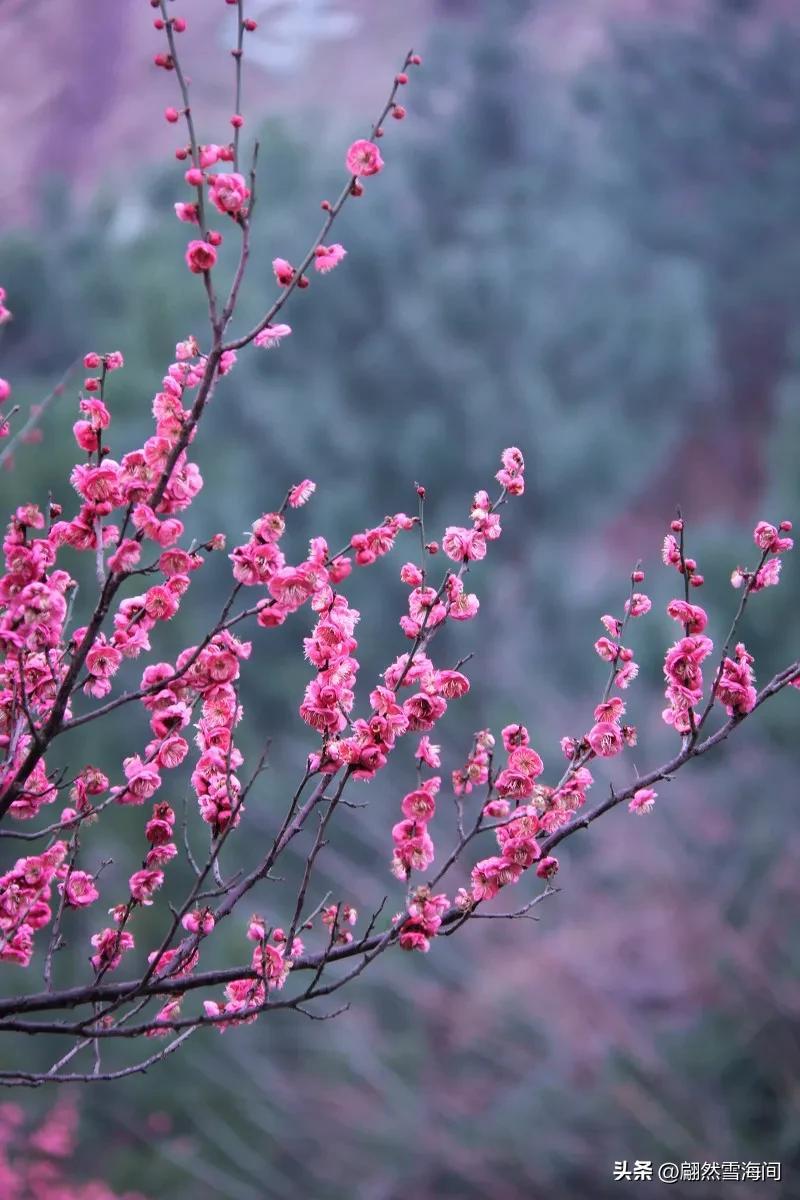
(586, 242)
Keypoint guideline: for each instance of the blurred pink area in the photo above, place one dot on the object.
(70, 97)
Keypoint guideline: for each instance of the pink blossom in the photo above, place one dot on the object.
(547, 867)
(271, 336)
(605, 739)
(199, 921)
(638, 605)
(736, 687)
(200, 256)
(79, 889)
(643, 801)
(143, 884)
(301, 493)
(690, 615)
(511, 474)
(110, 945)
(363, 158)
(513, 736)
(490, 875)
(283, 271)
(229, 193)
(428, 753)
(767, 576)
(189, 213)
(328, 257)
(463, 545)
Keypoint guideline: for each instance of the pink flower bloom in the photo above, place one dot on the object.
(735, 687)
(605, 739)
(200, 256)
(79, 889)
(767, 576)
(126, 556)
(690, 615)
(626, 674)
(525, 760)
(5, 390)
(411, 575)
(363, 158)
(144, 884)
(610, 710)
(428, 754)
(283, 271)
(513, 736)
(229, 193)
(463, 545)
(643, 801)
(301, 493)
(638, 605)
(670, 552)
(419, 805)
(547, 867)
(189, 213)
(271, 336)
(511, 474)
(328, 257)
(490, 875)
(451, 684)
(606, 649)
(767, 537)
(110, 945)
(199, 921)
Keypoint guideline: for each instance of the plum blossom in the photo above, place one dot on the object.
(363, 158)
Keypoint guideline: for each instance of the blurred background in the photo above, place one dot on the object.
(585, 242)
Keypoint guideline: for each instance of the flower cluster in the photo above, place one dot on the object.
(425, 912)
(25, 893)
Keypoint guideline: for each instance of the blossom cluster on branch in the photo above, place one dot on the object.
(60, 675)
